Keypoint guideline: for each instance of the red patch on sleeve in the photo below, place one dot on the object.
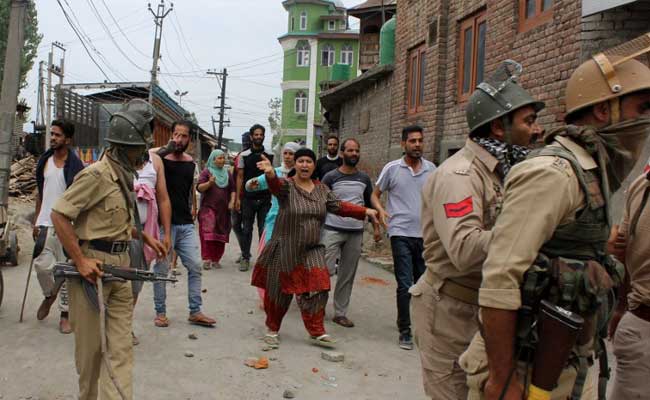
(460, 209)
(646, 169)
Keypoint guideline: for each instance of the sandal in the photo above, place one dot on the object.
(324, 341)
(272, 339)
(161, 321)
(207, 265)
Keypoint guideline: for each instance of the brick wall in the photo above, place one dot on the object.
(374, 105)
(610, 28)
(548, 54)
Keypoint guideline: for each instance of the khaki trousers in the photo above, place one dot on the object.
(474, 362)
(84, 318)
(443, 328)
(632, 351)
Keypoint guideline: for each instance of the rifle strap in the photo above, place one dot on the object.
(106, 356)
(581, 377)
(604, 374)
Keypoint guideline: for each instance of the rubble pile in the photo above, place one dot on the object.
(22, 181)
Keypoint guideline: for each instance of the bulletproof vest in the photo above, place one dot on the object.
(585, 237)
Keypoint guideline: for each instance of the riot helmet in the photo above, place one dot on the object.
(131, 126)
(497, 97)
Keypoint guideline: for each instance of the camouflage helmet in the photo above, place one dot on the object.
(498, 96)
(131, 126)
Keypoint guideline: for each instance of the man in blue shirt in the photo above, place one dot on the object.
(402, 180)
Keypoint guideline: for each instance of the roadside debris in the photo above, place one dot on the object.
(333, 356)
(257, 363)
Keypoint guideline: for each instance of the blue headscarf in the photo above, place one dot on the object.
(220, 174)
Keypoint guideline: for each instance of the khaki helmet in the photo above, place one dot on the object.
(498, 96)
(131, 126)
(608, 76)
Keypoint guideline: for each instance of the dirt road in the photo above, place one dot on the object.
(36, 362)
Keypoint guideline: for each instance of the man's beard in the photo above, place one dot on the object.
(55, 145)
(180, 149)
(333, 153)
(258, 142)
(351, 162)
(414, 154)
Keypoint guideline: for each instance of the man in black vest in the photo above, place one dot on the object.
(253, 204)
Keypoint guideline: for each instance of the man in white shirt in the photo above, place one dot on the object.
(55, 172)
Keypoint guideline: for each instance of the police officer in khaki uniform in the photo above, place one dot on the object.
(630, 326)
(555, 204)
(94, 221)
(460, 204)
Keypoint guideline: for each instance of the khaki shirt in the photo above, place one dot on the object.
(541, 193)
(460, 203)
(96, 204)
(637, 255)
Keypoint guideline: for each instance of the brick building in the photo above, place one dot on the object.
(443, 48)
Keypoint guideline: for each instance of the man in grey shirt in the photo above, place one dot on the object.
(343, 237)
(403, 179)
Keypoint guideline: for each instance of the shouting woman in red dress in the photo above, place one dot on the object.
(293, 261)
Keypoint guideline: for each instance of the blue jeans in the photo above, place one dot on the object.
(408, 265)
(185, 242)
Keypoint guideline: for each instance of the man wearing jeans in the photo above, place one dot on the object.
(403, 180)
(179, 176)
(235, 215)
(253, 204)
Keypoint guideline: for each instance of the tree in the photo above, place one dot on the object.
(32, 39)
(275, 119)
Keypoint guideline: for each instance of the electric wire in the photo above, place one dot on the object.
(108, 32)
(65, 14)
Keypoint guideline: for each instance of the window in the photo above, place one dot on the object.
(293, 24)
(331, 25)
(300, 105)
(347, 55)
(416, 72)
(472, 54)
(302, 54)
(533, 13)
(327, 55)
(303, 21)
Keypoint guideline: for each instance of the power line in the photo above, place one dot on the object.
(89, 42)
(101, 22)
(180, 37)
(121, 31)
(180, 27)
(82, 42)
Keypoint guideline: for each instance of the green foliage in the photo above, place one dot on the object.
(275, 117)
(32, 39)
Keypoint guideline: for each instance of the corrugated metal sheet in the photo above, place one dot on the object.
(590, 7)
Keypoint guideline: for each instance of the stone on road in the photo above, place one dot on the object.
(375, 367)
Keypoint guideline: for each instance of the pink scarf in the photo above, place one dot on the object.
(144, 192)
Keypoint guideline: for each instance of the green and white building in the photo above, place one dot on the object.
(320, 50)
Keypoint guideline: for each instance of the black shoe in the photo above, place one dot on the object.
(406, 341)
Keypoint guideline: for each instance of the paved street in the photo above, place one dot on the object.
(37, 361)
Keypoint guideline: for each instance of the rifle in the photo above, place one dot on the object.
(63, 271)
(111, 274)
(558, 332)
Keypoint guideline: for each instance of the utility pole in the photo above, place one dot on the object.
(158, 16)
(9, 97)
(222, 107)
(40, 96)
(57, 70)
